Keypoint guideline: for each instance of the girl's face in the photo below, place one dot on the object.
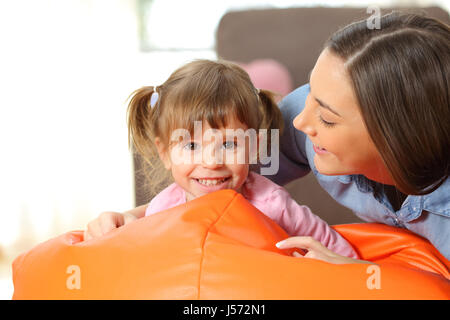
(333, 122)
(214, 161)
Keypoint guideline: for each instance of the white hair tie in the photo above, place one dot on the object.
(154, 98)
(257, 93)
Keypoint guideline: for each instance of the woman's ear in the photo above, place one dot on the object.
(163, 154)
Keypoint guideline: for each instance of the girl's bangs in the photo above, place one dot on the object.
(215, 111)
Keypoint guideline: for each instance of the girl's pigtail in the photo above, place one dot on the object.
(140, 127)
(143, 110)
(272, 117)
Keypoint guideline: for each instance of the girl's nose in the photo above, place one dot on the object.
(304, 122)
(212, 159)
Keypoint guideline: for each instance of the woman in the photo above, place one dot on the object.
(374, 127)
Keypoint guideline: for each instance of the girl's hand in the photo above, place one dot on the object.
(106, 222)
(316, 250)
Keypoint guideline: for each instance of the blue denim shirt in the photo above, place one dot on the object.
(427, 215)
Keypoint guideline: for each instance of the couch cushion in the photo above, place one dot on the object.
(221, 247)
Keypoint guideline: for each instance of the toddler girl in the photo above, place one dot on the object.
(194, 124)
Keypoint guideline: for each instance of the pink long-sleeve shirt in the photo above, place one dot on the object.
(276, 203)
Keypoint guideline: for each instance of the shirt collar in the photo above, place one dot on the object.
(437, 202)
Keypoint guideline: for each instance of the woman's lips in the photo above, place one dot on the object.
(319, 150)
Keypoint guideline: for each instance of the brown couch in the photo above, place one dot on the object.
(295, 38)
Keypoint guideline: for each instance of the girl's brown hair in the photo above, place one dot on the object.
(401, 76)
(212, 91)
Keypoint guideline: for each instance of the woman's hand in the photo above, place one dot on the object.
(106, 222)
(316, 250)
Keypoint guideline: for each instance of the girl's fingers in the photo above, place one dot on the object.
(110, 221)
(127, 218)
(106, 222)
(107, 225)
(93, 230)
(86, 236)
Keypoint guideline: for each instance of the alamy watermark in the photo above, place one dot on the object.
(74, 280)
(374, 280)
(236, 146)
(373, 22)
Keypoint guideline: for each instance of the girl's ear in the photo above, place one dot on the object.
(163, 154)
(254, 152)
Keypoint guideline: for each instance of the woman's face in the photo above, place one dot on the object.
(333, 122)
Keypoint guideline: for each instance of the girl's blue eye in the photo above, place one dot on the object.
(229, 145)
(191, 146)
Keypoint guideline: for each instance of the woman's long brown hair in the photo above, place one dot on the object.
(401, 77)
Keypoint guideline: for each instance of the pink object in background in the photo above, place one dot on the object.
(270, 75)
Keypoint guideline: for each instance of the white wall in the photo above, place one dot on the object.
(66, 69)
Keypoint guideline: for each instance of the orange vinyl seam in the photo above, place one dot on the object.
(203, 244)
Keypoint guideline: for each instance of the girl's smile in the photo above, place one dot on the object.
(212, 184)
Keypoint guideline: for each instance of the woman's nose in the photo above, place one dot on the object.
(304, 122)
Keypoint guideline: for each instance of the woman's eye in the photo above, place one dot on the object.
(229, 145)
(191, 146)
(326, 123)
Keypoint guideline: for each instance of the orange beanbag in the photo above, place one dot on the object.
(221, 247)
